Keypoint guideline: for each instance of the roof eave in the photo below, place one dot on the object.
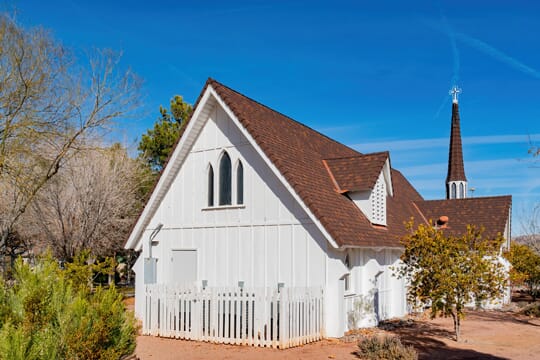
(169, 173)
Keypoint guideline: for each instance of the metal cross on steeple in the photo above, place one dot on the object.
(454, 92)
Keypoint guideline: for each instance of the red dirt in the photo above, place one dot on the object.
(485, 335)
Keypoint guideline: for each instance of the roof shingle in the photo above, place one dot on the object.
(298, 153)
(357, 173)
(456, 169)
(487, 212)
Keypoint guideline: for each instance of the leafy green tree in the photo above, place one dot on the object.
(525, 267)
(156, 145)
(447, 272)
(45, 314)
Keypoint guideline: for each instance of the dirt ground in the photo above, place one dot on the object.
(485, 335)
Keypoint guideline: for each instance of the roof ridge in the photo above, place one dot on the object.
(332, 177)
(471, 198)
(392, 169)
(211, 81)
(359, 155)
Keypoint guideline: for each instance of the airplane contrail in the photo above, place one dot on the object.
(455, 52)
(455, 57)
(480, 46)
(442, 106)
(496, 54)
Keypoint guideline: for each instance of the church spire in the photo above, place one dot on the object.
(456, 182)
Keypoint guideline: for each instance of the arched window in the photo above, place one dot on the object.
(453, 196)
(461, 191)
(239, 183)
(225, 180)
(210, 186)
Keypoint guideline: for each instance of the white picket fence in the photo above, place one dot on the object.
(256, 317)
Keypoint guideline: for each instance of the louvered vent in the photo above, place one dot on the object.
(378, 202)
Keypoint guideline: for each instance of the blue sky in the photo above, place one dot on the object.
(373, 75)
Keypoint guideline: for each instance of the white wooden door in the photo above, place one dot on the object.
(183, 267)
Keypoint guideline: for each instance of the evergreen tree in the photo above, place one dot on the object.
(157, 143)
(50, 313)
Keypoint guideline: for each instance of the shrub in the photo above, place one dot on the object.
(525, 268)
(386, 347)
(45, 316)
(532, 310)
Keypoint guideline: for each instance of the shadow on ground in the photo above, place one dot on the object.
(499, 316)
(421, 337)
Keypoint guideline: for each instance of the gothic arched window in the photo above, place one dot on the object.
(239, 183)
(210, 190)
(453, 196)
(225, 180)
(461, 191)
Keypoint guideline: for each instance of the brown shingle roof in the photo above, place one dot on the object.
(358, 172)
(298, 153)
(456, 170)
(488, 212)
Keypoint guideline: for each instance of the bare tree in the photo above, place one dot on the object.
(91, 204)
(49, 108)
(534, 150)
(530, 226)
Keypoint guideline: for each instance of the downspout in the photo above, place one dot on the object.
(152, 237)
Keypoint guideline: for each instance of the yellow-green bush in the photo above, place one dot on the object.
(44, 315)
(386, 347)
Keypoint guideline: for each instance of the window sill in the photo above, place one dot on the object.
(349, 293)
(222, 207)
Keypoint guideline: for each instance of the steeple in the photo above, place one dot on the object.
(456, 182)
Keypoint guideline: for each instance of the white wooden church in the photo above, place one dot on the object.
(263, 231)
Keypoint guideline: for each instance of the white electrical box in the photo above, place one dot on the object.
(150, 270)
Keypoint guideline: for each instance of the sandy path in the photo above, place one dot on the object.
(486, 335)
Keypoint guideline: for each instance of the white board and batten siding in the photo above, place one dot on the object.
(265, 241)
(370, 273)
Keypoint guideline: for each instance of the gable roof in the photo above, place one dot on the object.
(357, 173)
(487, 212)
(298, 153)
(310, 163)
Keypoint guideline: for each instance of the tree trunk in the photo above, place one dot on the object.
(7, 259)
(458, 328)
(532, 291)
(457, 325)
(3, 245)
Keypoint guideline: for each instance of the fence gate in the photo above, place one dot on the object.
(257, 316)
